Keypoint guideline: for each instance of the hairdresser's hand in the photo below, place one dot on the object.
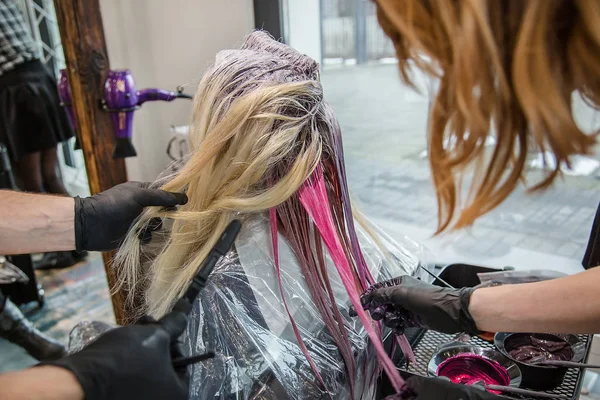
(132, 362)
(421, 388)
(420, 304)
(102, 220)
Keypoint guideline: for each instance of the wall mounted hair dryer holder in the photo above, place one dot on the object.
(121, 100)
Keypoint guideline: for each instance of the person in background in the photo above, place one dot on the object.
(32, 122)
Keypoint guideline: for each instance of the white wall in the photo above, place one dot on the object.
(304, 28)
(166, 43)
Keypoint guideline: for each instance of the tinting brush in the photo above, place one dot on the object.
(564, 364)
(185, 303)
(185, 361)
(519, 391)
(221, 248)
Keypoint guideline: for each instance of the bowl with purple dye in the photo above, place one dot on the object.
(525, 349)
(467, 364)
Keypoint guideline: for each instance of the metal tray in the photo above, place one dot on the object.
(424, 342)
(428, 343)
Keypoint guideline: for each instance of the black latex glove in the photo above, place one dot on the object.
(421, 388)
(102, 220)
(132, 362)
(407, 302)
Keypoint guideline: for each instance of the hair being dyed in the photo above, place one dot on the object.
(506, 65)
(260, 134)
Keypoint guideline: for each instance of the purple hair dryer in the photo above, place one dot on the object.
(121, 99)
(64, 92)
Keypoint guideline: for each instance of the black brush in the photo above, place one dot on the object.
(199, 282)
(185, 303)
(185, 361)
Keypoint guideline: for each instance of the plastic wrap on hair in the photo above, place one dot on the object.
(86, 332)
(241, 317)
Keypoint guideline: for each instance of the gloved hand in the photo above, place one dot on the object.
(102, 220)
(132, 362)
(421, 388)
(406, 302)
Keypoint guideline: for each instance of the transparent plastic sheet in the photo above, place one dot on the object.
(514, 277)
(404, 247)
(86, 332)
(241, 317)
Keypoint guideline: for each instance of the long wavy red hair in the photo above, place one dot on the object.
(504, 66)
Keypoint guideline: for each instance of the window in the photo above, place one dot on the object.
(384, 126)
(42, 21)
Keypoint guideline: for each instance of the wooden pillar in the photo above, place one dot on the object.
(82, 37)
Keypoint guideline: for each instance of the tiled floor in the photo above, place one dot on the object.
(589, 397)
(72, 295)
(591, 385)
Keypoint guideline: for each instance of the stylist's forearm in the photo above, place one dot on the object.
(40, 383)
(35, 223)
(566, 305)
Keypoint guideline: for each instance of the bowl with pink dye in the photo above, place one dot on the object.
(467, 364)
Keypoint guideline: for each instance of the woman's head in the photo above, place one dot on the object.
(262, 140)
(504, 66)
(259, 128)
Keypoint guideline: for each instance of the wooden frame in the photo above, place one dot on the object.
(82, 36)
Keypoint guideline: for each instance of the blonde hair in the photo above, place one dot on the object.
(262, 139)
(510, 65)
(231, 157)
(259, 129)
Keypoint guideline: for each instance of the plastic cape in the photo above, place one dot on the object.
(240, 316)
